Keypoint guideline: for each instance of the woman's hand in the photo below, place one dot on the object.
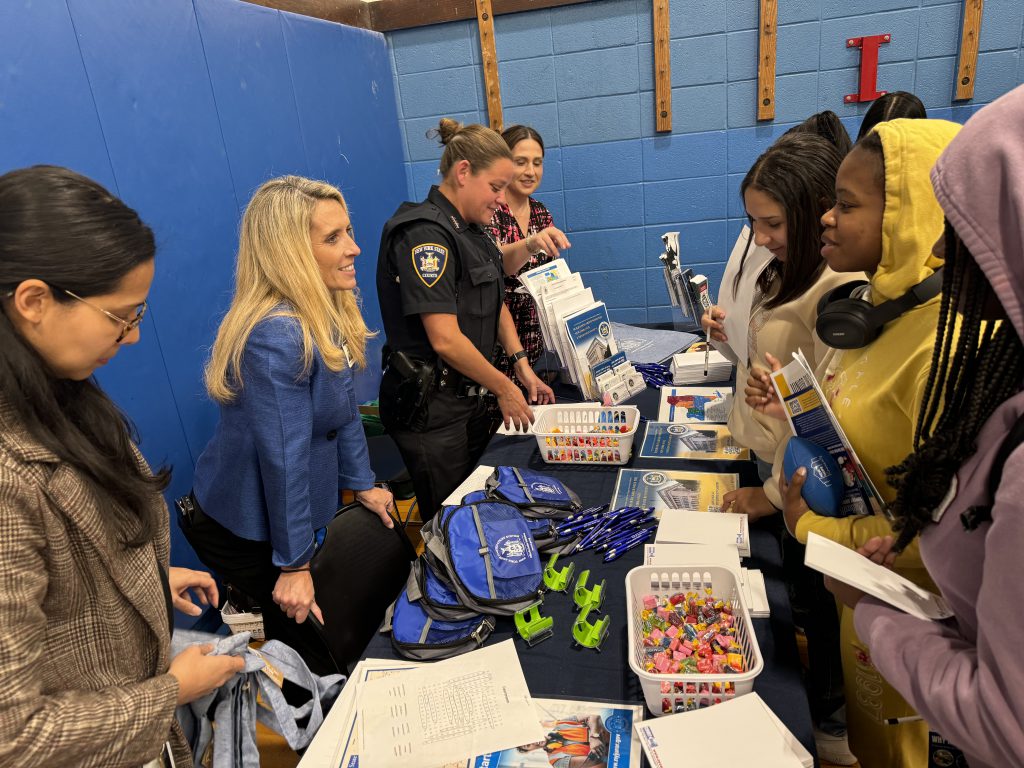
(551, 240)
(514, 410)
(380, 501)
(293, 592)
(710, 321)
(877, 549)
(198, 673)
(761, 394)
(539, 392)
(753, 502)
(182, 580)
(793, 505)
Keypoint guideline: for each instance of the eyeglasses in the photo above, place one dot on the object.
(127, 326)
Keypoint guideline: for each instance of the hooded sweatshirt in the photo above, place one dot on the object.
(966, 675)
(876, 391)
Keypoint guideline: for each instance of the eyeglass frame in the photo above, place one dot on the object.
(127, 326)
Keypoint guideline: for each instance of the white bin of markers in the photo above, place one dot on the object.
(665, 693)
(586, 433)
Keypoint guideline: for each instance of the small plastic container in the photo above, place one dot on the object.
(243, 621)
(586, 433)
(666, 694)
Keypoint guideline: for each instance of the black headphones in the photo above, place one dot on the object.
(848, 322)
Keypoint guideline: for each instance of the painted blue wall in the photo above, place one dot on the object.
(583, 75)
(183, 108)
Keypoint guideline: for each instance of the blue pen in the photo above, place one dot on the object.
(627, 537)
(615, 554)
(609, 540)
(623, 526)
(588, 513)
(593, 536)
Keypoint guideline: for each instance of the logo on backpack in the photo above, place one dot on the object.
(512, 548)
(540, 487)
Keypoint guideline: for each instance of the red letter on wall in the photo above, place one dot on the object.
(868, 67)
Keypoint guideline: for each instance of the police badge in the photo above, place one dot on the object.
(429, 261)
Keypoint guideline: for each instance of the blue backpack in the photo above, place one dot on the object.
(486, 553)
(438, 599)
(544, 534)
(535, 495)
(415, 635)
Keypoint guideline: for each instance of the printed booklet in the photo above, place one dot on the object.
(705, 405)
(690, 441)
(668, 490)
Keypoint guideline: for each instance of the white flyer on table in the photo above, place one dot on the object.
(845, 565)
(451, 710)
(736, 301)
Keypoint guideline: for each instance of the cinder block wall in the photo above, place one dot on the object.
(583, 75)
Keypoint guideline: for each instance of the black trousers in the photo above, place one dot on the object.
(247, 566)
(447, 450)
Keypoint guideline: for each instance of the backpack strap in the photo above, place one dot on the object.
(523, 484)
(982, 513)
(485, 552)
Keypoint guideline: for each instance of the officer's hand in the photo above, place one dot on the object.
(551, 240)
(514, 410)
(540, 393)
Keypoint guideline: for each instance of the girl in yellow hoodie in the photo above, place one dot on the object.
(885, 222)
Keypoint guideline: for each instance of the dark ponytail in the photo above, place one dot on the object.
(66, 230)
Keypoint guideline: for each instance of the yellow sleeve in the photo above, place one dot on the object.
(854, 531)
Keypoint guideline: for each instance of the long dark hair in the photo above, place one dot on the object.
(799, 172)
(976, 366)
(827, 125)
(890, 106)
(516, 133)
(66, 230)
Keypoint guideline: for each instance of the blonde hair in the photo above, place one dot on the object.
(476, 143)
(276, 266)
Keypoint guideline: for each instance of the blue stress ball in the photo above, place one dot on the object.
(823, 488)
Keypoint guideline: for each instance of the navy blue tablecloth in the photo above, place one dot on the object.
(555, 668)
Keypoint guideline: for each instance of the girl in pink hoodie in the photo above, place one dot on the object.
(966, 675)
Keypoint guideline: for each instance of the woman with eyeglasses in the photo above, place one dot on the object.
(290, 435)
(86, 677)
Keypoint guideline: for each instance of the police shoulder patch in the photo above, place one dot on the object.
(429, 261)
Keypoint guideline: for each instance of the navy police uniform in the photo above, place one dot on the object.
(432, 261)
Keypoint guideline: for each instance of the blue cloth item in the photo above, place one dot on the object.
(284, 446)
(234, 707)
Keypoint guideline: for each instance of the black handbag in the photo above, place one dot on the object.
(358, 571)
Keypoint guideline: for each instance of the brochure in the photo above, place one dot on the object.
(811, 418)
(708, 405)
(690, 441)
(590, 338)
(737, 300)
(667, 490)
(682, 526)
(600, 734)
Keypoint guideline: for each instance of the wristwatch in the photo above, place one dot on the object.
(515, 358)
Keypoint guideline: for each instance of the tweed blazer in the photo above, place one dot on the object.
(84, 640)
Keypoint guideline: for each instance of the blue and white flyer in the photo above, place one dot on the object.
(600, 734)
(590, 340)
(667, 490)
(690, 441)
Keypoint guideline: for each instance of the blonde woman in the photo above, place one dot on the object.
(289, 435)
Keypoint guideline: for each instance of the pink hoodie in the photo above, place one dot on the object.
(966, 676)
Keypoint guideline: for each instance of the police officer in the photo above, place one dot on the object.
(439, 281)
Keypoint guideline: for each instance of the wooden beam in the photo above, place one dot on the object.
(492, 85)
(768, 38)
(390, 15)
(355, 13)
(662, 68)
(967, 71)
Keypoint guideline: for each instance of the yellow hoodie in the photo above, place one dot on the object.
(876, 391)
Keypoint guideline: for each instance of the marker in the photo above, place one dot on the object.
(901, 720)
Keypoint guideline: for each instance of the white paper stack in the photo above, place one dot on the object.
(754, 735)
(725, 555)
(755, 594)
(684, 526)
(688, 368)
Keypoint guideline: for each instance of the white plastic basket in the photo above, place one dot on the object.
(586, 433)
(242, 621)
(666, 694)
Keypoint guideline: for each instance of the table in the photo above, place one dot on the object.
(554, 668)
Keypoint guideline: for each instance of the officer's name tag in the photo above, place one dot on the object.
(429, 261)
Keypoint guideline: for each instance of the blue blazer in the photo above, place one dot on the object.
(283, 446)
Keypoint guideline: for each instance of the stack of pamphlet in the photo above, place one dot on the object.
(578, 329)
(753, 733)
(689, 367)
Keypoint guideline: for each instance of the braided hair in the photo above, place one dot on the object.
(977, 364)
